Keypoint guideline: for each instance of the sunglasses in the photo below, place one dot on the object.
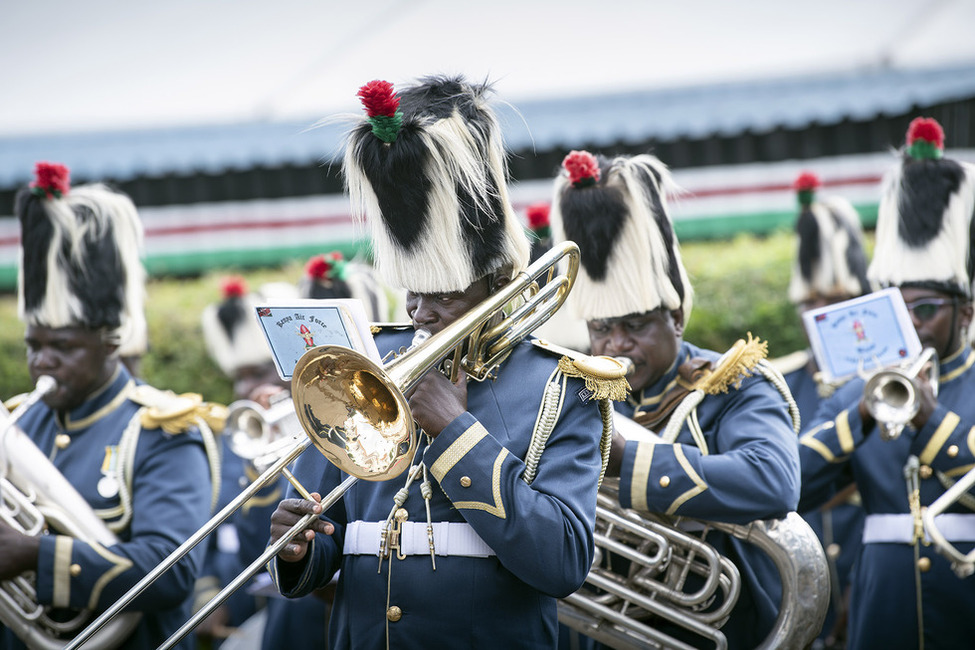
(927, 308)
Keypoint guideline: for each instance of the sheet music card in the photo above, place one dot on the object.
(862, 334)
(295, 326)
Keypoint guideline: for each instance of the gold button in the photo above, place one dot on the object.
(394, 613)
(664, 481)
(924, 564)
(924, 471)
(833, 550)
(465, 481)
(952, 451)
(75, 570)
(401, 514)
(62, 440)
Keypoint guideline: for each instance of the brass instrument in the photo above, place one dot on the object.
(622, 610)
(963, 564)
(34, 497)
(355, 411)
(892, 397)
(260, 435)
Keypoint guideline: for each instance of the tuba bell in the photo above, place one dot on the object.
(892, 397)
(36, 498)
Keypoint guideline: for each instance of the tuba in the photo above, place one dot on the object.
(35, 498)
(891, 394)
(621, 610)
(345, 402)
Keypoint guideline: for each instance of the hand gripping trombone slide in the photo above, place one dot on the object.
(331, 382)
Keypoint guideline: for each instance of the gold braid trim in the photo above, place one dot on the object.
(177, 413)
(602, 385)
(734, 365)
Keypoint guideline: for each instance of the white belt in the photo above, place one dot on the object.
(449, 538)
(899, 528)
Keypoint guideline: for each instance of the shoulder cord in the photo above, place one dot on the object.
(771, 373)
(548, 415)
(688, 408)
(213, 460)
(126, 451)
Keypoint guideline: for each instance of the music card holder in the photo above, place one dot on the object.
(295, 326)
(861, 335)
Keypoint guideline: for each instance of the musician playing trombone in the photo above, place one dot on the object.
(471, 546)
(734, 458)
(135, 455)
(904, 595)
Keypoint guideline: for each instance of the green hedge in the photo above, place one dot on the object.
(740, 286)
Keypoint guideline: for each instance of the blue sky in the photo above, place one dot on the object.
(101, 64)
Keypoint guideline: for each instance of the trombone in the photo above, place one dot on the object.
(343, 398)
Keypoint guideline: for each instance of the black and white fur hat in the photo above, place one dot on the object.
(924, 222)
(231, 331)
(80, 258)
(428, 168)
(615, 210)
(831, 262)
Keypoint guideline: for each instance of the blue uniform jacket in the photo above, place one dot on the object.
(171, 493)
(884, 578)
(751, 472)
(542, 533)
(842, 525)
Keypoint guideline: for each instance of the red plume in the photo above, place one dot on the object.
(926, 129)
(318, 267)
(807, 181)
(537, 215)
(582, 167)
(51, 178)
(233, 286)
(378, 98)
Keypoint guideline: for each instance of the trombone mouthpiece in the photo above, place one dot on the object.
(419, 337)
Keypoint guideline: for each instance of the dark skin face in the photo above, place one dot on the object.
(257, 381)
(435, 402)
(941, 321)
(77, 358)
(650, 340)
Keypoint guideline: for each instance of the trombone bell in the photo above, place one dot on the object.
(359, 420)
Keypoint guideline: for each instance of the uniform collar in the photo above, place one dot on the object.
(956, 364)
(101, 403)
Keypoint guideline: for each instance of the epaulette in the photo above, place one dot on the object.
(176, 413)
(605, 377)
(791, 362)
(15, 401)
(376, 328)
(733, 366)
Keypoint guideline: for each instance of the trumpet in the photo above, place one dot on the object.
(260, 435)
(346, 403)
(892, 395)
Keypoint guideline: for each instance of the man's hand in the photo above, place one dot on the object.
(435, 402)
(18, 552)
(287, 514)
(616, 452)
(927, 400)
